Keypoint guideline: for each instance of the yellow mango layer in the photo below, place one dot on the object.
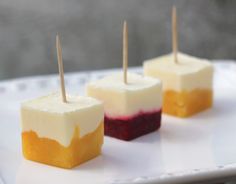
(187, 103)
(50, 152)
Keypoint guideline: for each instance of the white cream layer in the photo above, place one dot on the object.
(49, 117)
(120, 99)
(188, 74)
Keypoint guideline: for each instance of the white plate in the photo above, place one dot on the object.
(183, 150)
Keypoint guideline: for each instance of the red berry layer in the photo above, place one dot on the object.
(128, 128)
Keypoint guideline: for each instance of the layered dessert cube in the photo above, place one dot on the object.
(187, 84)
(62, 134)
(131, 109)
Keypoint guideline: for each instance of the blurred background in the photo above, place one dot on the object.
(91, 32)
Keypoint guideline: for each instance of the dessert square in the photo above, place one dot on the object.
(62, 134)
(132, 109)
(187, 85)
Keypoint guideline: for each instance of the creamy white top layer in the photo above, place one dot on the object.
(49, 117)
(188, 74)
(120, 99)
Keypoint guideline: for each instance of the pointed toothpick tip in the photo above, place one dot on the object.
(60, 68)
(125, 23)
(173, 8)
(57, 39)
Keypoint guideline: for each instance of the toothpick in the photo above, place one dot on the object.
(174, 34)
(60, 67)
(125, 51)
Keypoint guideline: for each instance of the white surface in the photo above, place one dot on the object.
(193, 149)
(179, 76)
(50, 108)
(142, 94)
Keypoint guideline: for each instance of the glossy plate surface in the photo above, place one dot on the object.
(183, 150)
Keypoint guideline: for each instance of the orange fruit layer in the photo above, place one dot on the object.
(187, 103)
(51, 152)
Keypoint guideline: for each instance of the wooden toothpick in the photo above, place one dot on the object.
(174, 34)
(125, 51)
(60, 67)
